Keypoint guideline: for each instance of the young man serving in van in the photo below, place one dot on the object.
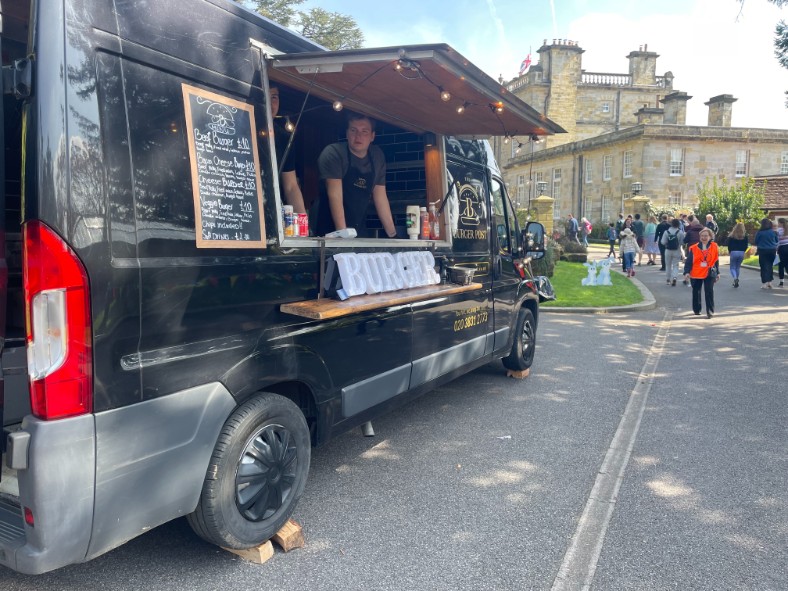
(354, 172)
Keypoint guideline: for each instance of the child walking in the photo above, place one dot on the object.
(629, 248)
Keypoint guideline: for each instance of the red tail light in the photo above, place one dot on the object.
(57, 309)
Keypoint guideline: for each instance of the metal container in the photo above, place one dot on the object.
(461, 275)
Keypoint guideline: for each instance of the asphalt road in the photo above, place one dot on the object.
(647, 450)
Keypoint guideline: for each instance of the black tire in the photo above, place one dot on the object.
(256, 475)
(524, 345)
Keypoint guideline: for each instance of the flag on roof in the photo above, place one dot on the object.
(525, 65)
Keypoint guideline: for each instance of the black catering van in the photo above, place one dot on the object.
(169, 347)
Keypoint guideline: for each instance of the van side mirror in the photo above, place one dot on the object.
(533, 240)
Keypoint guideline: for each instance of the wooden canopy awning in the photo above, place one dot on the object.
(404, 86)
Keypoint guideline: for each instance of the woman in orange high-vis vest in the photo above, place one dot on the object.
(702, 268)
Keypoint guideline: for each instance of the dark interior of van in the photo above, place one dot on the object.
(320, 125)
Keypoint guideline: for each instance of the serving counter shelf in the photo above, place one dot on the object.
(327, 309)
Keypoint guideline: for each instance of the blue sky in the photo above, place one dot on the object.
(712, 47)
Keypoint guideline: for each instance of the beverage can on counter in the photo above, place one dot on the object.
(302, 224)
(289, 219)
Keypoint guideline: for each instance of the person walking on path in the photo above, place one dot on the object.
(711, 224)
(737, 246)
(782, 247)
(629, 247)
(662, 226)
(611, 238)
(652, 248)
(692, 230)
(585, 230)
(671, 242)
(766, 241)
(619, 224)
(639, 228)
(703, 270)
(571, 228)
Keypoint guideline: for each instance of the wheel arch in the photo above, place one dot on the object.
(296, 373)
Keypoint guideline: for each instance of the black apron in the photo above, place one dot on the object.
(356, 194)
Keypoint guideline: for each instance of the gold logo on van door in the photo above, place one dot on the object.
(469, 206)
(470, 214)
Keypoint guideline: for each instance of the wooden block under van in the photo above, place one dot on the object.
(290, 536)
(511, 373)
(258, 554)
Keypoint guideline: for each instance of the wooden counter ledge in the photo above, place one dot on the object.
(326, 309)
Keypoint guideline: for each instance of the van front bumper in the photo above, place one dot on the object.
(58, 490)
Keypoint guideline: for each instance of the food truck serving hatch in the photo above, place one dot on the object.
(422, 88)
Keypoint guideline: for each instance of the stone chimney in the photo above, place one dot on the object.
(720, 108)
(676, 108)
(650, 115)
(643, 67)
(562, 66)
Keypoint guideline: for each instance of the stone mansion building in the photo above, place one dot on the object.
(624, 129)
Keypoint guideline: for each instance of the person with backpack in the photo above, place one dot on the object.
(662, 226)
(671, 240)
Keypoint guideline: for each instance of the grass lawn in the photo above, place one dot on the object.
(754, 262)
(570, 293)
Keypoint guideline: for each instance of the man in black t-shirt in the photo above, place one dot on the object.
(354, 172)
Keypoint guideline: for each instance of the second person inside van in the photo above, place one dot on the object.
(353, 172)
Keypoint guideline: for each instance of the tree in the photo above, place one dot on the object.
(731, 203)
(280, 11)
(332, 30)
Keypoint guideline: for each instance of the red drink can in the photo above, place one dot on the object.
(303, 224)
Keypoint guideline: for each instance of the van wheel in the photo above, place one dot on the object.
(524, 345)
(256, 475)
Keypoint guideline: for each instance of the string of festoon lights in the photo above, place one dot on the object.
(412, 70)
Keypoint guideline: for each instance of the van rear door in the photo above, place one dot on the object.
(3, 265)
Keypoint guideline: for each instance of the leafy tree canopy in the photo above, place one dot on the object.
(731, 203)
(332, 30)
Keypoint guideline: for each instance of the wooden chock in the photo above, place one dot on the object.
(290, 536)
(512, 373)
(258, 554)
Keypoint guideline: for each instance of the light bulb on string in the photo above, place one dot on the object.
(519, 147)
(338, 106)
(445, 95)
(506, 139)
(289, 125)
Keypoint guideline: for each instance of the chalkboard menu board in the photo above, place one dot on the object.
(228, 197)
